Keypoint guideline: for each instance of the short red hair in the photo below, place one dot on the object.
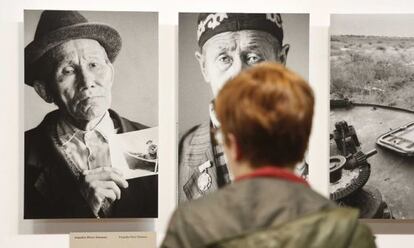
(269, 110)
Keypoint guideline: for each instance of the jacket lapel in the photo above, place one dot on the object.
(201, 151)
(201, 146)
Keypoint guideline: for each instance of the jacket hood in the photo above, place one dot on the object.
(338, 227)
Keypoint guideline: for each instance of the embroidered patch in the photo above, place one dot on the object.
(275, 18)
(211, 21)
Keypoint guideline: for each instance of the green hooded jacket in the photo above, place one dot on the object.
(265, 212)
(337, 228)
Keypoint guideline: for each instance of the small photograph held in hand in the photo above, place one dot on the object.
(140, 150)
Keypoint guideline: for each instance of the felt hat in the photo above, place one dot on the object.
(210, 24)
(56, 27)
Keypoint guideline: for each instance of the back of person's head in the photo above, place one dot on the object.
(269, 110)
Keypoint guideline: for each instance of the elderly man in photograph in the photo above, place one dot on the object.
(266, 118)
(68, 170)
(229, 43)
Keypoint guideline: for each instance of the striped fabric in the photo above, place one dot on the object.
(196, 148)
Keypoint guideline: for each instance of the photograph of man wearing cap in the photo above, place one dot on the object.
(68, 171)
(227, 43)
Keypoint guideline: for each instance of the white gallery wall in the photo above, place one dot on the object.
(16, 232)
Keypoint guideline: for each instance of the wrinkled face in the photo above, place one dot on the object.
(82, 79)
(226, 54)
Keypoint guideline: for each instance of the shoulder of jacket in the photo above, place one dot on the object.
(362, 237)
(198, 134)
(196, 130)
(124, 124)
(36, 138)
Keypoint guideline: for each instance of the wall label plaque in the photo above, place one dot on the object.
(112, 239)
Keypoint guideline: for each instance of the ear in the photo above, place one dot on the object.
(40, 88)
(112, 72)
(201, 61)
(283, 54)
(233, 148)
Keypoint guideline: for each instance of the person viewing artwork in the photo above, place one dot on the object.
(265, 116)
(69, 157)
(227, 44)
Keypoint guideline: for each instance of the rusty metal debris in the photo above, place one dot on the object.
(400, 140)
(350, 171)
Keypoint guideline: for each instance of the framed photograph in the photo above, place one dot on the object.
(90, 114)
(213, 48)
(371, 116)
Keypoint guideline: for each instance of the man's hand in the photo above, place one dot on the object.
(101, 183)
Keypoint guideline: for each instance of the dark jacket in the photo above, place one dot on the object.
(51, 189)
(270, 212)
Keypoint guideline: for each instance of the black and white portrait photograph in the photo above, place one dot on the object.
(90, 114)
(214, 48)
(371, 115)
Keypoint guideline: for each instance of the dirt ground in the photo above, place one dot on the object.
(373, 69)
(391, 173)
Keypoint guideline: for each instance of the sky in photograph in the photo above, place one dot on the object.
(400, 25)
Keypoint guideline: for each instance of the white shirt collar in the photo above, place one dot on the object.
(66, 130)
(106, 126)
